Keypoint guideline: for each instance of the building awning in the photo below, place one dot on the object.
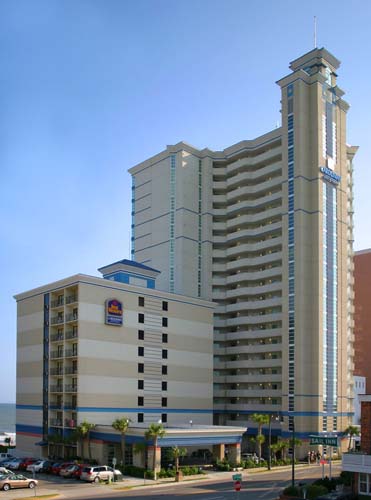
(41, 443)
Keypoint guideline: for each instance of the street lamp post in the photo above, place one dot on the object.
(270, 443)
(293, 454)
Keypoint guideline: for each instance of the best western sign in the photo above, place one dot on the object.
(113, 312)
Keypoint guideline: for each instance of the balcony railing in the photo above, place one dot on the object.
(56, 354)
(57, 337)
(72, 317)
(70, 370)
(70, 388)
(70, 405)
(56, 320)
(56, 405)
(71, 298)
(56, 371)
(71, 334)
(56, 388)
(71, 353)
(57, 303)
(70, 422)
(56, 422)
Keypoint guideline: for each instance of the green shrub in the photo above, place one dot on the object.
(223, 465)
(292, 491)
(346, 478)
(132, 470)
(330, 484)
(314, 491)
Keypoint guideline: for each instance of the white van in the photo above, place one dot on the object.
(4, 456)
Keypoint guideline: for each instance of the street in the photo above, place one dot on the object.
(217, 486)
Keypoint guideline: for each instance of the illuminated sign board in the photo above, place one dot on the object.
(114, 312)
(329, 175)
(324, 440)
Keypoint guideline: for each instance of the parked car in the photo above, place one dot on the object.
(10, 481)
(26, 462)
(77, 473)
(61, 466)
(47, 466)
(6, 456)
(96, 473)
(13, 464)
(35, 466)
(68, 470)
(55, 468)
(4, 470)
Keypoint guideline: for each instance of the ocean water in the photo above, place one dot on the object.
(7, 417)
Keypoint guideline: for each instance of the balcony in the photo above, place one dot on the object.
(72, 317)
(71, 334)
(356, 462)
(70, 423)
(71, 353)
(70, 405)
(70, 388)
(70, 299)
(57, 320)
(56, 388)
(56, 405)
(56, 337)
(57, 303)
(56, 354)
(70, 370)
(56, 371)
(56, 422)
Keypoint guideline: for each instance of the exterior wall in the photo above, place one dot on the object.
(362, 315)
(359, 389)
(90, 370)
(277, 241)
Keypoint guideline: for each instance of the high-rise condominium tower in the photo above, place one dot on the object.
(264, 228)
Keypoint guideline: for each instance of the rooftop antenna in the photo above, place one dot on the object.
(315, 31)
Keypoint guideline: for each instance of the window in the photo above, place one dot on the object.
(164, 386)
(141, 301)
(164, 418)
(164, 338)
(140, 367)
(140, 351)
(164, 321)
(164, 370)
(140, 417)
(164, 353)
(140, 400)
(140, 384)
(163, 401)
(140, 318)
(164, 305)
(141, 334)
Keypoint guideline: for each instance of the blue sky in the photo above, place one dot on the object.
(89, 88)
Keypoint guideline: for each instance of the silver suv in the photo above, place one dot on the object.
(96, 473)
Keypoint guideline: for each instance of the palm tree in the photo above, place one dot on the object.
(83, 432)
(121, 425)
(351, 430)
(261, 420)
(176, 453)
(154, 432)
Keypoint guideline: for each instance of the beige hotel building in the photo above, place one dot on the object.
(98, 349)
(264, 229)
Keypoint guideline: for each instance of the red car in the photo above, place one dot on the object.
(26, 462)
(61, 466)
(77, 473)
(56, 467)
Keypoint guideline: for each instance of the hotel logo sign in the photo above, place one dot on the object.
(330, 176)
(114, 312)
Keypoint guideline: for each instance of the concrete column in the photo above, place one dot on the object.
(151, 450)
(219, 451)
(139, 458)
(234, 455)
